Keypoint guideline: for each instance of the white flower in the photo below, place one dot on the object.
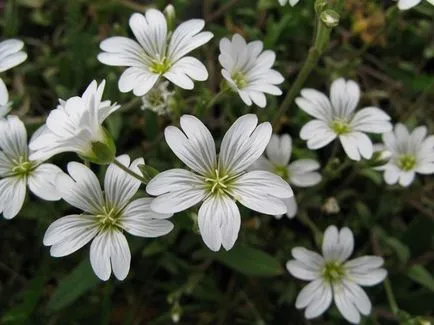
(11, 54)
(336, 118)
(410, 153)
(291, 2)
(157, 99)
(219, 182)
(407, 4)
(248, 70)
(105, 216)
(157, 53)
(5, 106)
(17, 170)
(75, 125)
(300, 173)
(332, 276)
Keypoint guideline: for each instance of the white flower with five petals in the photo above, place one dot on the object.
(409, 153)
(219, 182)
(75, 125)
(5, 106)
(158, 53)
(105, 216)
(17, 170)
(247, 69)
(301, 172)
(11, 54)
(334, 277)
(337, 118)
(407, 4)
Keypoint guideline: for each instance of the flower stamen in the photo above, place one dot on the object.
(407, 162)
(160, 66)
(333, 271)
(340, 126)
(22, 166)
(109, 218)
(239, 79)
(218, 184)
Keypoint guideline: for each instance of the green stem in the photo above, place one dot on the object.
(215, 99)
(322, 35)
(304, 219)
(390, 297)
(129, 171)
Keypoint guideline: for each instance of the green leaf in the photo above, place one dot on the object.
(422, 276)
(30, 298)
(249, 261)
(70, 288)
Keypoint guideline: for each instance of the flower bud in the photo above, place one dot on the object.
(330, 18)
(331, 206)
(102, 152)
(170, 14)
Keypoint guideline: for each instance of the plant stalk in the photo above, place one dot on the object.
(129, 171)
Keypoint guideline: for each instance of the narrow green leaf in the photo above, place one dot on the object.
(21, 314)
(70, 288)
(249, 261)
(422, 276)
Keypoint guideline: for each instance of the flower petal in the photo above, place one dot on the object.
(344, 96)
(337, 245)
(320, 303)
(120, 255)
(316, 104)
(219, 222)
(302, 271)
(243, 144)
(42, 182)
(371, 119)
(139, 220)
(342, 298)
(82, 190)
(195, 146)
(13, 137)
(119, 186)
(291, 207)
(279, 149)
(68, 234)
(12, 195)
(100, 250)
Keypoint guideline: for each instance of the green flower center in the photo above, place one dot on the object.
(340, 126)
(282, 171)
(160, 66)
(407, 162)
(217, 183)
(333, 271)
(109, 218)
(239, 79)
(22, 166)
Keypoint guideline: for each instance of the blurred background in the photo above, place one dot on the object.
(176, 278)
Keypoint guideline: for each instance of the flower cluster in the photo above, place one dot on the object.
(252, 167)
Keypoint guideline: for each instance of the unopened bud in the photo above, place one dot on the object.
(176, 313)
(102, 152)
(330, 18)
(320, 6)
(170, 14)
(331, 206)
